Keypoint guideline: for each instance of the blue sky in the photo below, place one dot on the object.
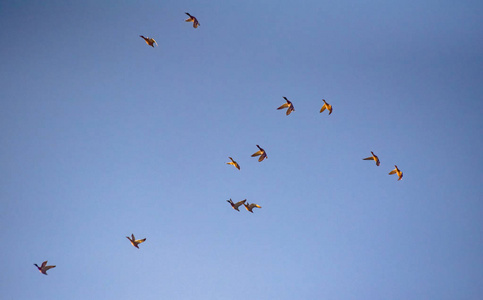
(103, 136)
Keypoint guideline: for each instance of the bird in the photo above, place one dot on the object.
(44, 268)
(289, 105)
(250, 206)
(398, 172)
(236, 205)
(262, 154)
(192, 19)
(326, 105)
(135, 242)
(234, 163)
(149, 41)
(373, 157)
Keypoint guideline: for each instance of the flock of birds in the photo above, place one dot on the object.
(261, 153)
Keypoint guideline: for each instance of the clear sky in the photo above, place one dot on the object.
(103, 136)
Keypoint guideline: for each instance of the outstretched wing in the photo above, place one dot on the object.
(323, 108)
(368, 158)
(257, 153)
(44, 264)
(285, 105)
(263, 156)
(392, 172)
(140, 241)
(48, 268)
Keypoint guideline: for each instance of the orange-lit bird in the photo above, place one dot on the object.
(287, 105)
(234, 163)
(260, 153)
(373, 157)
(326, 106)
(149, 41)
(398, 172)
(193, 19)
(236, 205)
(135, 242)
(250, 206)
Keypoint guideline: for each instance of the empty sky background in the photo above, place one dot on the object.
(103, 136)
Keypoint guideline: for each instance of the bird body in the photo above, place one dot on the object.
(236, 205)
(260, 153)
(250, 206)
(149, 41)
(193, 19)
(373, 157)
(398, 172)
(44, 268)
(135, 242)
(288, 105)
(234, 163)
(326, 106)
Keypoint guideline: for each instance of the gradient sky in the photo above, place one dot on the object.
(103, 136)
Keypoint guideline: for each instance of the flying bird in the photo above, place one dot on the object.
(193, 19)
(250, 206)
(398, 172)
(149, 41)
(234, 163)
(135, 242)
(44, 268)
(260, 153)
(236, 205)
(289, 105)
(326, 105)
(373, 157)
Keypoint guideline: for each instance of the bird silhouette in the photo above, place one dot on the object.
(326, 106)
(44, 268)
(135, 242)
(236, 205)
(149, 41)
(287, 105)
(373, 157)
(260, 153)
(192, 19)
(398, 172)
(250, 206)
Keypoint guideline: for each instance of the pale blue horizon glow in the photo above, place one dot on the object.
(103, 136)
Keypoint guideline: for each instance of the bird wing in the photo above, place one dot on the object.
(257, 153)
(330, 109)
(140, 241)
(255, 205)
(237, 165)
(196, 23)
(44, 264)
(392, 172)
(155, 42)
(368, 158)
(240, 203)
(323, 108)
(285, 105)
(263, 156)
(48, 268)
(289, 110)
